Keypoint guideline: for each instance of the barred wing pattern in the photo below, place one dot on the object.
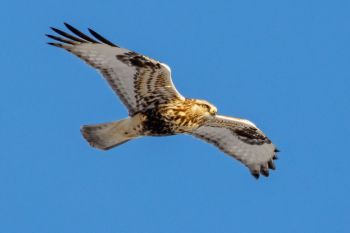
(139, 81)
(241, 139)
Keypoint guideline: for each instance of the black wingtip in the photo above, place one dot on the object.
(63, 40)
(58, 31)
(55, 44)
(101, 38)
(79, 36)
(79, 33)
(256, 174)
(265, 172)
(272, 165)
(277, 150)
(66, 35)
(68, 25)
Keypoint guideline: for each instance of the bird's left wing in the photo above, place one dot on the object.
(139, 81)
(241, 139)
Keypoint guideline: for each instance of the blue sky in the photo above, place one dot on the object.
(282, 64)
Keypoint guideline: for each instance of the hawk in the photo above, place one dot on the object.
(156, 108)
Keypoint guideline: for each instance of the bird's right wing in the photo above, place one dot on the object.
(242, 140)
(139, 81)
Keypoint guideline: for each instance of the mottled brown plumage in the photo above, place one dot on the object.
(175, 117)
(156, 108)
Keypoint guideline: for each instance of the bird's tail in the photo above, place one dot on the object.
(108, 135)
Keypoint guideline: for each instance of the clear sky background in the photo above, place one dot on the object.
(282, 64)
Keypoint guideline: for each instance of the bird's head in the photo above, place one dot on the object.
(207, 107)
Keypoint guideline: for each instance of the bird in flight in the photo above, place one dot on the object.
(156, 108)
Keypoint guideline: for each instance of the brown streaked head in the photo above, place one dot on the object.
(211, 109)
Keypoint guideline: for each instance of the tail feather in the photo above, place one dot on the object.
(108, 135)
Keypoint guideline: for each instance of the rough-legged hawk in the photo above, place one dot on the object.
(156, 108)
